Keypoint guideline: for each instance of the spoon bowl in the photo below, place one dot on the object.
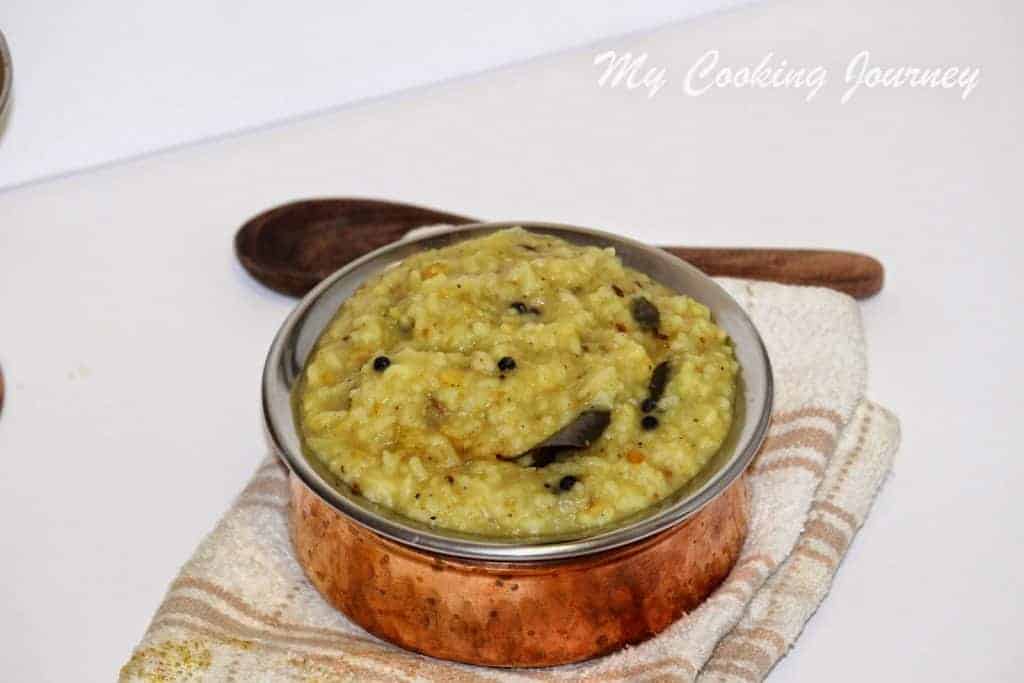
(292, 247)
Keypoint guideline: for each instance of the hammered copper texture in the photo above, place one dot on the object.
(517, 614)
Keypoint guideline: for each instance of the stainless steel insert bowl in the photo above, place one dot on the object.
(303, 327)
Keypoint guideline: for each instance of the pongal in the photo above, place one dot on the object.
(515, 385)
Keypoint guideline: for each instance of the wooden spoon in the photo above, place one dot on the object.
(294, 246)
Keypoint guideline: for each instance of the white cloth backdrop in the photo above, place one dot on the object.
(97, 82)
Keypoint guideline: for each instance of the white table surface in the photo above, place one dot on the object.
(103, 81)
(132, 342)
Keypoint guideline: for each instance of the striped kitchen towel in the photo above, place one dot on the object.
(242, 610)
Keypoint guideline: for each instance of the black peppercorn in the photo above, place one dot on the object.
(381, 363)
(649, 422)
(567, 482)
(507, 364)
(648, 405)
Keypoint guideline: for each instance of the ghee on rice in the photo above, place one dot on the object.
(410, 399)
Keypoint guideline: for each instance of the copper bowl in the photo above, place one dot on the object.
(518, 602)
(6, 78)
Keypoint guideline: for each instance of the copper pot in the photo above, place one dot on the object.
(516, 613)
(516, 602)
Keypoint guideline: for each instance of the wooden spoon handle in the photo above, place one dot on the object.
(858, 275)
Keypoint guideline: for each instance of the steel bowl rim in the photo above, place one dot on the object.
(409, 533)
